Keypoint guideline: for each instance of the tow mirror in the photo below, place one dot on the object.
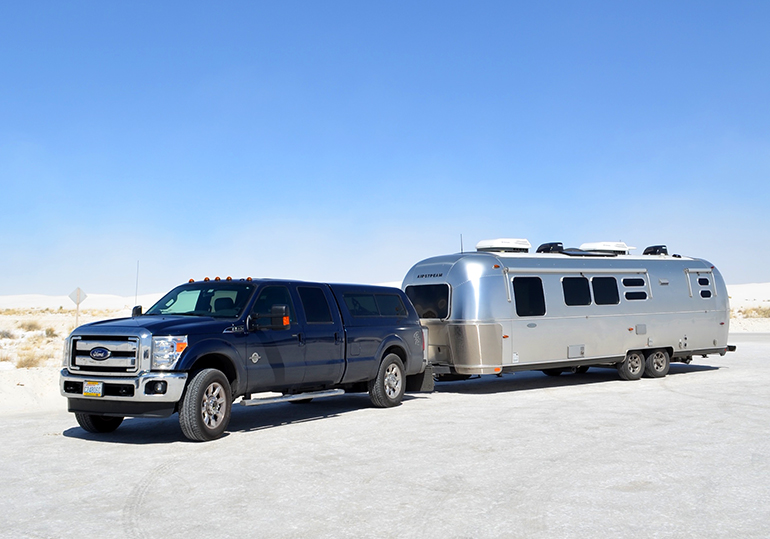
(279, 319)
(136, 311)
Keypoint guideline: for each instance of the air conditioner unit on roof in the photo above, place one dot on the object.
(612, 247)
(504, 245)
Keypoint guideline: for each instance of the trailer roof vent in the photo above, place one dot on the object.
(609, 247)
(656, 250)
(553, 247)
(504, 245)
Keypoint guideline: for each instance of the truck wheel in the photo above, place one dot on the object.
(206, 405)
(657, 364)
(98, 423)
(632, 367)
(387, 389)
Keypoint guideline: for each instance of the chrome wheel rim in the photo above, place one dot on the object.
(392, 381)
(213, 405)
(635, 363)
(659, 361)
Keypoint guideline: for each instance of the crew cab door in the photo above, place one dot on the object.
(323, 335)
(275, 357)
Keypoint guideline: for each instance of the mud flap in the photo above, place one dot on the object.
(421, 383)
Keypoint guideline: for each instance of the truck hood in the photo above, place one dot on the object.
(158, 325)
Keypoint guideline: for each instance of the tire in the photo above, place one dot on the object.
(387, 390)
(552, 372)
(98, 424)
(580, 370)
(657, 364)
(632, 368)
(206, 405)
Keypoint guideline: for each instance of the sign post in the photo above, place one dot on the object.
(77, 296)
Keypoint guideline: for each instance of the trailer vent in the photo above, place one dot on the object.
(553, 247)
(504, 245)
(608, 247)
(656, 250)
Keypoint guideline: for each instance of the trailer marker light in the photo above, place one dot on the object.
(496, 266)
(505, 336)
(498, 369)
(630, 329)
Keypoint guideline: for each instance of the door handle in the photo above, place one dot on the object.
(300, 337)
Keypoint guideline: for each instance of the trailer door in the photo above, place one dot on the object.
(530, 331)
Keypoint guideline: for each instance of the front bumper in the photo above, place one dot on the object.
(131, 389)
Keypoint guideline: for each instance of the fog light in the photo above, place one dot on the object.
(156, 388)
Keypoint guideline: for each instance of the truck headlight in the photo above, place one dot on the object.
(166, 351)
(65, 353)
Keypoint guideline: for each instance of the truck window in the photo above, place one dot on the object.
(361, 304)
(315, 305)
(576, 291)
(203, 299)
(269, 296)
(530, 300)
(390, 305)
(430, 300)
(605, 290)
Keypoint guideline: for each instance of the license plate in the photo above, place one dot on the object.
(93, 389)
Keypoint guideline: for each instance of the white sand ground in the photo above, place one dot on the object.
(31, 389)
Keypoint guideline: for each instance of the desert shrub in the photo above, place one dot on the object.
(50, 333)
(30, 358)
(6, 334)
(30, 325)
(5, 356)
(757, 312)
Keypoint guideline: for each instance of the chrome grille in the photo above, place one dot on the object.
(105, 354)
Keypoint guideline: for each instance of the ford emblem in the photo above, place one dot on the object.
(100, 354)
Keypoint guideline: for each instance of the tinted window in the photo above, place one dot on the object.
(315, 305)
(225, 300)
(576, 291)
(605, 290)
(361, 304)
(705, 293)
(269, 296)
(430, 300)
(530, 300)
(636, 295)
(703, 281)
(633, 282)
(390, 305)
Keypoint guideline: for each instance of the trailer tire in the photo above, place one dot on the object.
(98, 424)
(657, 363)
(632, 367)
(582, 369)
(387, 389)
(206, 405)
(552, 372)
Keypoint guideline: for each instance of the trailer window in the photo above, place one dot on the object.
(636, 295)
(633, 282)
(705, 294)
(430, 300)
(530, 300)
(703, 281)
(605, 290)
(576, 291)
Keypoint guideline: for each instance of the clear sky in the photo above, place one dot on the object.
(345, 141)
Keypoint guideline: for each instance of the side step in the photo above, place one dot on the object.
(297, 397)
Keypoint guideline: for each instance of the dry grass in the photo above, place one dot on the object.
(50, 333)
(4, 356)
(755, 312)
(6, 334)
(30, 358)
(30, 325)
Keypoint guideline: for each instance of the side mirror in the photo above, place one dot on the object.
(136, 311)
(279, 319)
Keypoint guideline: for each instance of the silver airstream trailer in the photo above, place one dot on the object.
(503, 309)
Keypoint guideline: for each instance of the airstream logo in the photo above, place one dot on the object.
(429, 275)
(100, 354)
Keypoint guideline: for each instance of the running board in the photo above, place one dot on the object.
(295, 397)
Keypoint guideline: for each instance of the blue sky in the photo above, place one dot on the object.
(345, 141)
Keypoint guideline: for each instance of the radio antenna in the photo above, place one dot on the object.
(461, 244)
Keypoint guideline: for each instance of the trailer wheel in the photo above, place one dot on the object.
(388, 388)
(552, 372)
(580, 370)
(632, 367)
(657, 364)
(205, 409)
(98, 424)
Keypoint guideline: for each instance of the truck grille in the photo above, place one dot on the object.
(105, 355)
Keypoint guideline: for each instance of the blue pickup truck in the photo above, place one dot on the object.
(207, 343)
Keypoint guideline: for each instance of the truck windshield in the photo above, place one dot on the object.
(219, 300)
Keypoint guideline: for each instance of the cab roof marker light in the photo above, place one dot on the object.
(206, 279)
(229, 278)
(191, 281)
(217, 279)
